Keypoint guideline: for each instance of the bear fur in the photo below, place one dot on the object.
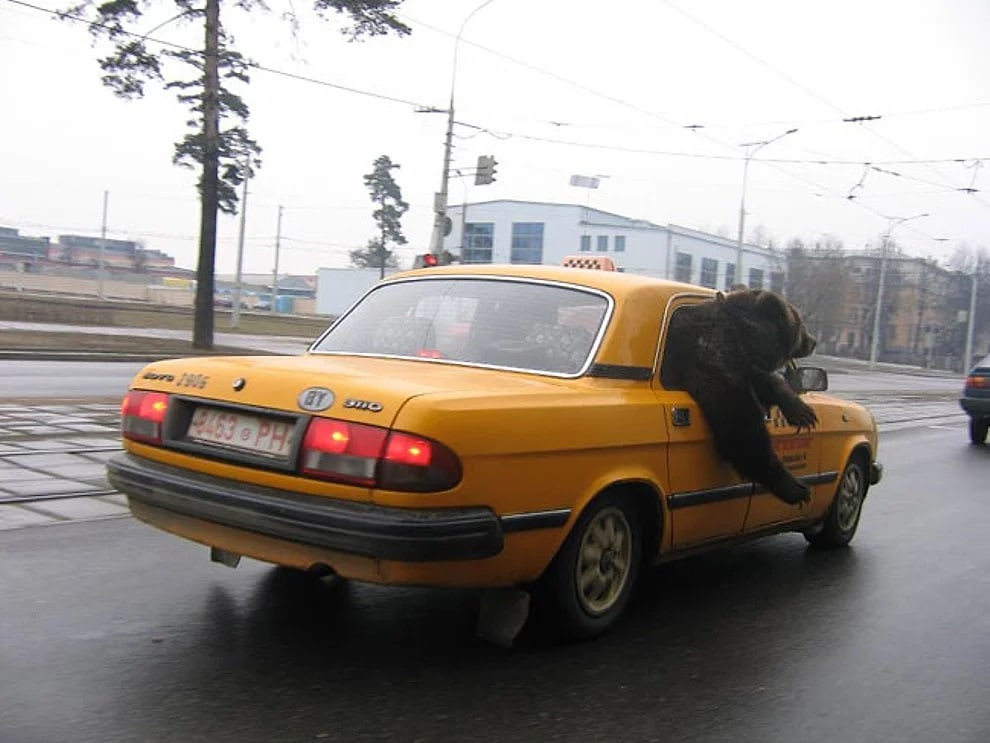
(726, 353)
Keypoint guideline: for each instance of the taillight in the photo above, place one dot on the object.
(370, 456)
(977, 381)
(342, 451)
(420, 465)
(142, 416)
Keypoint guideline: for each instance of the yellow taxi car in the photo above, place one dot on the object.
(476, 426)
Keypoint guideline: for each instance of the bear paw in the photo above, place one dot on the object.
(794, 493)
(799, 413)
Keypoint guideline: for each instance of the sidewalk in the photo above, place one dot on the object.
(267, 343)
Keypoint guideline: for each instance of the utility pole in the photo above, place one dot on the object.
(278, 241)
(971, 319)
(878, 310)
(440, 198)
(103, 244)
(893, 222)
(381, 245)
(757, 146)
(235, 311)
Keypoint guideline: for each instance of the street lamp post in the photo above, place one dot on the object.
(757, 146)
(893, 223)
(971, 318)
(103, 245)
(235, 310)
(440, 198)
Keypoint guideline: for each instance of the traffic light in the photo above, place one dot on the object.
(486, 170)
(429, 260)
(426, 260)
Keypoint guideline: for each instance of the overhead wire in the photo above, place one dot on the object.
(660, 117)
(804, 88)
(699, 129)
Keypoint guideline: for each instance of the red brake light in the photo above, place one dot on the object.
(977, 381)
(328, 436)
(342, 451)
(413, 463)
(406, 449)
(370, 456)
(143, 415)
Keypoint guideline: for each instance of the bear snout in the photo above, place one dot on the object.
(806, 346)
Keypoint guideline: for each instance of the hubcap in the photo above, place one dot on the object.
(849, 499)
(604, 560)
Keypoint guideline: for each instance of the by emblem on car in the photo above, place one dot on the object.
(315, 399)
(239, 384)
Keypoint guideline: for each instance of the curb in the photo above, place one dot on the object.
(49, 354)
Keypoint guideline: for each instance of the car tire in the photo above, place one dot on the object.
(978, 430)
(839, 525)
(589, 583)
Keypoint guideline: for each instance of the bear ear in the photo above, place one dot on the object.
(772, 306)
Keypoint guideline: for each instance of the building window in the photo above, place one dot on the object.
(777, 281)
(603, 243)
(709, 272)
(585, 243)
(620, 243)
(756, 278)
(682, 267)
(527, 242)
(730, 276)
(478, 239)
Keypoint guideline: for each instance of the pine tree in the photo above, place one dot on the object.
(218, 141)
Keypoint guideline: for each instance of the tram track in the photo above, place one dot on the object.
(77, 450)
(26, 499)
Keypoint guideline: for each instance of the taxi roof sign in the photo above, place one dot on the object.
(600, 262)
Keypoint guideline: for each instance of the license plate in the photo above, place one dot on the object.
(236, 430)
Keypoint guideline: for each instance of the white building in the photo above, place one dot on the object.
(534, 232)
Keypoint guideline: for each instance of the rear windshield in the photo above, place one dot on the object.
(488, 322)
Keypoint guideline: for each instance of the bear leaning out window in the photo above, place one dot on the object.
(725, 352)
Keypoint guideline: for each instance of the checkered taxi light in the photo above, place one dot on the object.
(600, 262)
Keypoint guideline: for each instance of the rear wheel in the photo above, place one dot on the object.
(978, 430)
(839, 525)
(589, 583)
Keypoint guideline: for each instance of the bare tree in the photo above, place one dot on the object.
(817, 282)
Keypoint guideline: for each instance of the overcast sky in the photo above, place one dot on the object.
(551, 88)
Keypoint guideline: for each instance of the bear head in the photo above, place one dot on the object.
(779, 326)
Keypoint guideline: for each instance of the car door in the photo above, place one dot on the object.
(706, 499)
(801, 453)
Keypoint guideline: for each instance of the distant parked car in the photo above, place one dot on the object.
(976, 400)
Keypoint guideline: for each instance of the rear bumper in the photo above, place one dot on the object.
(976, 407)
(367, 530)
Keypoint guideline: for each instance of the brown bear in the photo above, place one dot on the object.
(726, 353)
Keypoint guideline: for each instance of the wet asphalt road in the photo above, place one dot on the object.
(112, 631)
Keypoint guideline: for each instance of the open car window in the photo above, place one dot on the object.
(502, 323)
